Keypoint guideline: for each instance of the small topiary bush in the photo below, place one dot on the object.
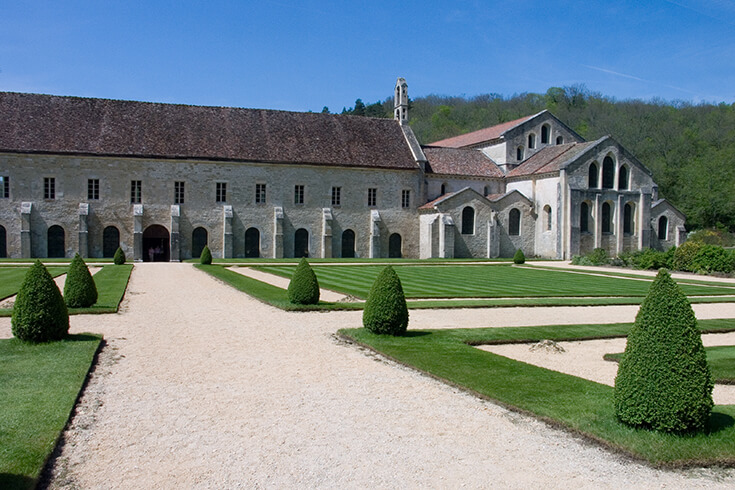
(80, 290)
(385, 310)
(119, 258)
(206, 256)
(39, 313)
(663, 381)
(519, 258)
(304, 287)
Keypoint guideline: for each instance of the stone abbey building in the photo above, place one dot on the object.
(162, 180)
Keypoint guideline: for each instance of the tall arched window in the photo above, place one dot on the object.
(584, 218)
(606, 218)
(608, 173)
(468, 221)
(110, 241)
(547, 217)
(623, 178)
(592, 176)
(514, 222)
(519, 153)
(3, 243)
(663, 228)
(443, 189)
(545, 130)
(628, 219)
(531, 141)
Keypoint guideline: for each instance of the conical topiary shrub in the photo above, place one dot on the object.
(519, 258)
(304, 287)
(663, 381)
(80, 290)
(39, 313)
(119, 258)
(206, 256)
(385, 310)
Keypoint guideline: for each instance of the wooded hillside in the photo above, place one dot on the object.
(689, 148)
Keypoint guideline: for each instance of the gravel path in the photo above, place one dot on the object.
(202, 387)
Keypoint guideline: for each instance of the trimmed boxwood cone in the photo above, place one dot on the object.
(304, 287)
(80, 291)
(206, 256)
(119, 258)
(385, 309)
(519, 257)
(663, 381)
(39, 313)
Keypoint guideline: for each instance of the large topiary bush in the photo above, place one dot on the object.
(119, 258)
(80, 290)
(385, 310)
(206, 256)
(684, 255)
(663, 381)
(713, 258)
(519, 257)
(39, 313)
(304, 287)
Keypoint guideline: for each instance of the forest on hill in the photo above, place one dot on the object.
(690, 148)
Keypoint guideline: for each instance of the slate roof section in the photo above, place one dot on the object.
(33, 123)
(481, 135)
(550, 159)
(454, 161)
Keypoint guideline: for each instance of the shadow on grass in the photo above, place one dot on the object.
(416, 333)
(9, 481)
(719, 421)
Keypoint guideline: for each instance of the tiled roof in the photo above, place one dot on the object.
(73, 125)
(481, 135)
(430, 204)
(453, 161)
(549, 159)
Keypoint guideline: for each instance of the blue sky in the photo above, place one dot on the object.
(303, 55)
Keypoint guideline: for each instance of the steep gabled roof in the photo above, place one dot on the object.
(454, 161)
(481, 135)
(32, 123)
(550, 159)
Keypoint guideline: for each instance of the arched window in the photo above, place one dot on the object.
(663, 228)
(608, 173)
(56, 245)
(199, 239)
(3, 243)
(560, 140)
(484, 191)
(443, 189)
(301, 243)
(584, 218)
(592, 177)
(110, 241)
(394, 246)
(348, 244)
(531, 141)
(514, 222)
(545, 134)
(606, 218)
(623, 178)
(252, 243)
(628, 219)
(519, 153)
(468, 221)
(547, 217)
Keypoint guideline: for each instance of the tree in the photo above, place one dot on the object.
(663, 381)
(359, 109)
(80, 290)
(385, 310)
(39, 313)
(304, 287)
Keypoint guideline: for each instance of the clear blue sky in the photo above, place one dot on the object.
(303, 55)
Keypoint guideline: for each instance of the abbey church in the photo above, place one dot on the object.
(163, 180)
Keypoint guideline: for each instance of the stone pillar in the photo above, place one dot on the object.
(326, 233)
(446, 237)
(374, 234)
(277, 232)
(644, 221)
(138, 232)
(175, 239)
(227, 239)
(25, 229)
(598, 222)
(681, 235)
(83, 230)
(493, 236)
(619, 235)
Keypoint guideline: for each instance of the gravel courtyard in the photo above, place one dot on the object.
(201, 386)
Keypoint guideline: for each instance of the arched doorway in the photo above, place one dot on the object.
(110, 241)
(252, 243)
(199, 239)
(156, 244)
(301, 243)
(394, 246)
(3, 243)
(348, 244)
(56, 246)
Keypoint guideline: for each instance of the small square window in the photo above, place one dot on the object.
(93, 189)
(298, 194)
(221, 192)
(405, 198)
(259, 193)
(178, 192)
(5, 189)
(372, 196)
(49, 188)
(336, 196)
(136, 193)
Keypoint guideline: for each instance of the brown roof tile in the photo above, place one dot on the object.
(52, 124)
(453, 161)
(481, 135)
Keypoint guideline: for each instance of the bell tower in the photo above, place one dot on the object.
(400, 101)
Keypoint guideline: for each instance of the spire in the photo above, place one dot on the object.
(400, 101)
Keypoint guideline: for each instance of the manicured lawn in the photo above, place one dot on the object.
(11, 278)
(486, 281)
(721, 360)
(582, 406)
(40, 384)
